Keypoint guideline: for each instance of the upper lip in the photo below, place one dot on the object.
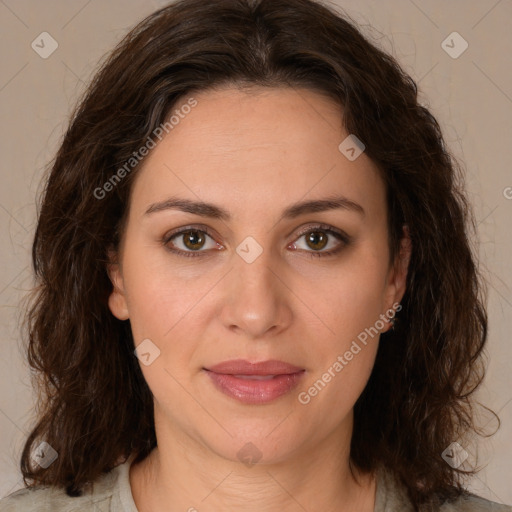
(243, 367)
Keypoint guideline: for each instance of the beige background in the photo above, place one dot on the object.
(471, 95)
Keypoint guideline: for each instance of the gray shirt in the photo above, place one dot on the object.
(112, 493)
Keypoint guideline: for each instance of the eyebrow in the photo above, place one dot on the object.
(295, 210)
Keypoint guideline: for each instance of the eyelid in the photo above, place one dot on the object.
(325, 227)
(193, 227)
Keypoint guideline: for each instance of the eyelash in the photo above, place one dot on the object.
(340, 235)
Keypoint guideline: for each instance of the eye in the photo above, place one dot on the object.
(321, 236)
(190, 241)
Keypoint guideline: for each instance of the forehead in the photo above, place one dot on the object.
(255, 149)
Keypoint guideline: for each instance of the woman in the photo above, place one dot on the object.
(256, 289)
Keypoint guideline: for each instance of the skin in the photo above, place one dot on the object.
(255, 153)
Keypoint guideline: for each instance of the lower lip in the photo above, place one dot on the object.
(255, 391)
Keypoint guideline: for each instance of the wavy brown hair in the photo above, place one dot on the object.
(95, 407)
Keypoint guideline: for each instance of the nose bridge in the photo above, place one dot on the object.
(257, 300)
(253, 273)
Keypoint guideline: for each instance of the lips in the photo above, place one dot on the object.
(255, 383)
(263, 368)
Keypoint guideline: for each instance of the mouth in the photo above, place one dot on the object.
(255, 383)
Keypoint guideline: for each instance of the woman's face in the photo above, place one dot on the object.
(264, 282)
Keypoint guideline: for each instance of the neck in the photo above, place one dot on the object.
(182, 474)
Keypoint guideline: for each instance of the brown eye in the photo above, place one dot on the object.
(193, 240)
(317, 240)
(190, 242)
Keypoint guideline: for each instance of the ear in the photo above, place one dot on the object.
(396, 284)
(117, 298)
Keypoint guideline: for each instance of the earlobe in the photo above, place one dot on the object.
(117, 298)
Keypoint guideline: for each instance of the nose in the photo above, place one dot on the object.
(256, 302)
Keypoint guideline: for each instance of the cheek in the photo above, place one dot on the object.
(350, 308)
(158, 298)
(161, 310)
(351, 297)
(343, 360)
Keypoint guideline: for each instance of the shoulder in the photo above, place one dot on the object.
(392, 496)
(473, 503)
(96, 497)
